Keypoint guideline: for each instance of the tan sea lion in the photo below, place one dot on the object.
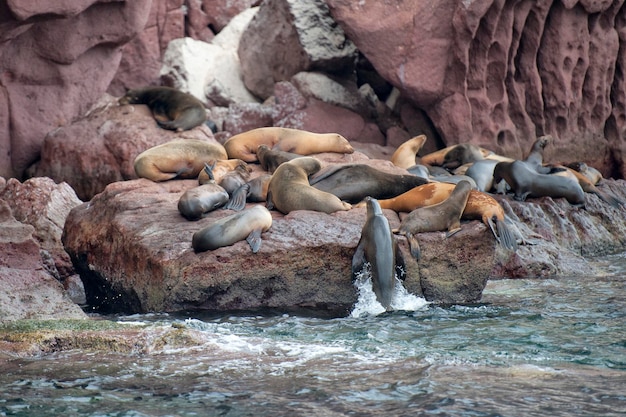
(197, 201)
(244, 145)
(270, 159)
(289, 189)
(479, 206)
(445, 215)
(377, 247)
(172, 109)
(590, 172)
(219, 169)
(180, 158)
(526, 182)
(405, 154)
(247, 224)
(354, 182)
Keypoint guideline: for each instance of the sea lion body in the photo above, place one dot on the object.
(180, 158)
(445, 215)
(456, 151)
(244, 145)
(526, 182)
(270, 159)
(354, 182)
(405, 155)
(289, 189)
(482, 173)
(247, 224)
(197, 201)
(258, 188)
(377, 246)
(588, 171)
(171, 108)
(220, 168)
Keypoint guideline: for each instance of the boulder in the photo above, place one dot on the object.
(100, 148)
(29, 291)
(305, 30)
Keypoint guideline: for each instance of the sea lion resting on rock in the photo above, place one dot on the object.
(270, 159)
(180, 158)
(247, 224)
(289, 189)
(526, 182)
(197, 201)
(220, 168)
(479, 206)
(438, 217)
(404, 156)
(354, 182)
(377, 246)
(244, 145)
(172, 109)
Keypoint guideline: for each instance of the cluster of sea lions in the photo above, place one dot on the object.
(437, 191)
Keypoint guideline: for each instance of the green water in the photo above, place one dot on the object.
(554, 347)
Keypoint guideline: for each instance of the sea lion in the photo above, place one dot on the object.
(462, 154)
(534, 159)
(270, 159)
(405, 154)
(258, 188)
(244, 145)
(590, 172)
(172, 109)
(377, 246)
(482, 173)
(247, 224)
(438, 217)
(438, 157)
(354, 182)
(289, 189)
(220, 168)
(526, 182)
(179, 158)
(197, 201)
(236, 185)
(479, 206)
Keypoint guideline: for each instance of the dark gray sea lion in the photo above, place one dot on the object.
(180, 158)
(270, 159)
(534, 159)
(377, 246)
(462, 154)
(445, 215)
(258, 188)
(354, 182)
(197, 201)
(247, 224)
(172, 109)
(289, 189)
(526, 182)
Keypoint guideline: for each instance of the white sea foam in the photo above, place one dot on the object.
(368, 305)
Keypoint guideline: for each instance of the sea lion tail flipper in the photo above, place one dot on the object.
(609, 199)
(209, 170)
(414, 246)
(269, 204)
(453, 231)
(254, 240)
(494, 229)
(358, 259)
(507, 238)
(237, 201)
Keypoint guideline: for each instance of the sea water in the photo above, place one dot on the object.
(532, 347)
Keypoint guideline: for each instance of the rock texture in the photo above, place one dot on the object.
(499, 73)
(56, 59)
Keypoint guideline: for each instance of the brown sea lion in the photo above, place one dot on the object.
(377, 247)
(270, 159)
(197, 201)
(220, 168)
(180, 158)
(405, 154)
(445, 215)
(479, 206)
(354, 182)
(289, 189)
(590, 172)
(526, 182)
(247, 224)
(172, 109)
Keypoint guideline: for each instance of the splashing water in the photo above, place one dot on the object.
(367, 303)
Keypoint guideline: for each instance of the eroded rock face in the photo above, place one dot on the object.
(56, 60)
(501, 73)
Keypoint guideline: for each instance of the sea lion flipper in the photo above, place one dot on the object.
(237, 201)
(358, 259)
(254, 240)
(269, 204)
(507, 239)
(492, 226)
(453, 231)
(414, 246)
(325, 173)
